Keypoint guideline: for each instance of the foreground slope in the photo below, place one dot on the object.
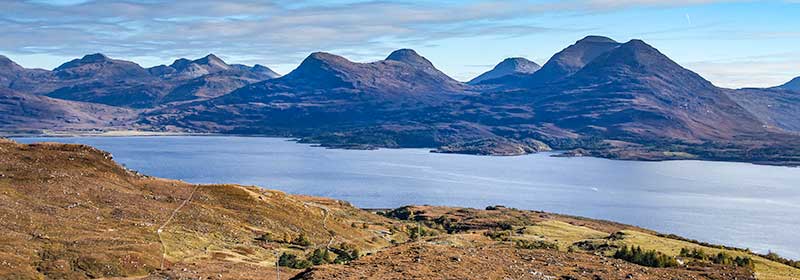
(503, 243)
(70, 212)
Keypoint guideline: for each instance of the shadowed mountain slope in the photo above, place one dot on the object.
(793, 85)
(328, 91)
(635, 90)
(31, 113)
(562, 64)
(774, 107)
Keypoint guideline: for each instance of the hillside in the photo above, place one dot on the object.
(774, 107)
(25, 113)
(793, 85)
(70, 212)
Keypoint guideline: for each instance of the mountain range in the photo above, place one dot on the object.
(596, 97)
(97, 78)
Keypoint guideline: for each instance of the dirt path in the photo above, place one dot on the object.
(171, 216)
(326, 213)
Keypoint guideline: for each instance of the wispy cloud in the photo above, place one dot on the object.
(752, 71)
(273, 32)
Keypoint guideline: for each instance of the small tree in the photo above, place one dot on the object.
(292, 261)
(321, 256)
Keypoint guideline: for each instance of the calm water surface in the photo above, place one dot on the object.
(736, 204)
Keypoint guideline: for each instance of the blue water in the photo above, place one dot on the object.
(737, 204)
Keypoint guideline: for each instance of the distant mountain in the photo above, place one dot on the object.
(9, 71)
(775, 107)
(573, 58)
(793, 85)
(15, 77)
(327, 91)
(562, 64)
(185, 69)
(634, 91)
(596, 97)
(207, 77)
(403, 74)
(509, 66)
(100, 67)
(96, 78)
(27, 112)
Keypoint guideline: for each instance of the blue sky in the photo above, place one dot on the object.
(731, 43)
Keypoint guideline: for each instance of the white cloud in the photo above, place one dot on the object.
(762, 71)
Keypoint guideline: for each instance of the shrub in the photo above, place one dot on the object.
(503, 235)
(420, 231)
(292, 261)
(505, 226)
(776, 258)
(616, 236)
(321, 256)
(694, 253)
(345, 253)
(720, 258)
(402, 213)
(650, 258)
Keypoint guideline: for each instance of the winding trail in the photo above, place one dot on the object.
(326, 213)
(172, 216)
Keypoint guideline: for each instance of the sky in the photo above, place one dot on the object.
(731, 43)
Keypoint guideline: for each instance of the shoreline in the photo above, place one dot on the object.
(299, 140)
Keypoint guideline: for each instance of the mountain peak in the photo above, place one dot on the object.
(86, 59)
(94, 58)
(636, 60)
(520, 63)
(213, 62)
(596, 39)
(509, 66)
(571, 59)
(323, 57)
(409, 56)
(210, 59)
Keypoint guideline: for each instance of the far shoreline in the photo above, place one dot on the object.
(300, 140)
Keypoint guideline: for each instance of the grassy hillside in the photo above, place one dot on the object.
(70, 212)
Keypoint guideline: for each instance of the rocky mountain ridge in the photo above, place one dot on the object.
(597, 96)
